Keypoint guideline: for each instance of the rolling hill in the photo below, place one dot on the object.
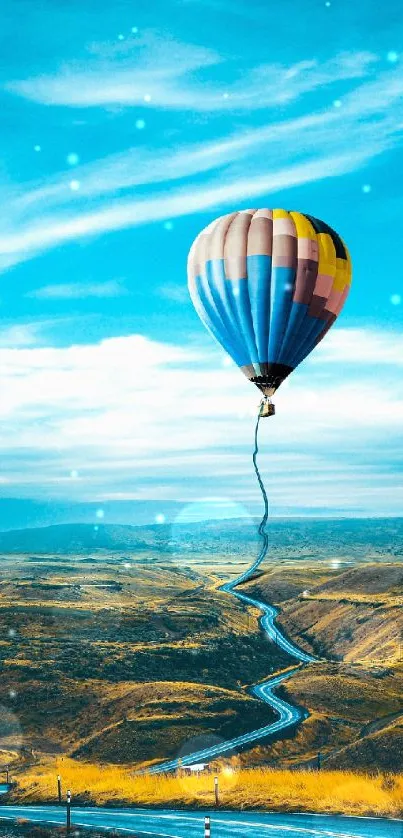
(88, 616)
(355, 619)
(345, 540)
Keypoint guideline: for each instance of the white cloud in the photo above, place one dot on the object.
(174, 293)
(79, 291)
(243, 165)
(362, 346)
(145, 418)
(19, 335)
(184, 200)
(168, 73)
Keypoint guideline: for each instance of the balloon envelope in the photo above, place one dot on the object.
(268, 284)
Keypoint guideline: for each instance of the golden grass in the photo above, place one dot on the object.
(258, 788)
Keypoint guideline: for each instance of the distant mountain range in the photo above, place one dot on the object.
(76, 538)
(22, 513)
(19, 513)
(344, 539)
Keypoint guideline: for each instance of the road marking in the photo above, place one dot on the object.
(128, 829)
(236, 822)
(95, 817)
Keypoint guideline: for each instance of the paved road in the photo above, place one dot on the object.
(269, 626)
(287, 714)
(171, 824)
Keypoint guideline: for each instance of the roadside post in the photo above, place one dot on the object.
(216, 791)
(7, 775)
(319, 761)
(207, 827)
(59, 788)
(68, 813)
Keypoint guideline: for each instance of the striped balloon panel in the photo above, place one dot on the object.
(268, 284)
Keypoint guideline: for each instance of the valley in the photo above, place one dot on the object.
(127, 656)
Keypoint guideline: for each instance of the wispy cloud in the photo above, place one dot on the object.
(173, 293)
(72, 408)
(159, 72)
(130, 188)
(79, 291)
(19, 335)
(184, 200)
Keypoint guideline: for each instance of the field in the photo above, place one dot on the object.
(329, 792)
(110, 659)
(117, 658)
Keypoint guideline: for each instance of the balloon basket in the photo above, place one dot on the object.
(267, 408)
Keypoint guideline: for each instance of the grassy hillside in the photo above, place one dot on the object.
(382, 748)
(129, 722)
(287, 580)
(355, 721)
(110, 658)
(121, 662)
(355, 618)
(350, 615)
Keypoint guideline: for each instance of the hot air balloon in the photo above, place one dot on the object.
(268, 284)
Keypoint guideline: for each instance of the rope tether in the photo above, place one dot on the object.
(229, 586)
(262, 526)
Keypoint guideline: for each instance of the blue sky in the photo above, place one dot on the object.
(128, 127)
